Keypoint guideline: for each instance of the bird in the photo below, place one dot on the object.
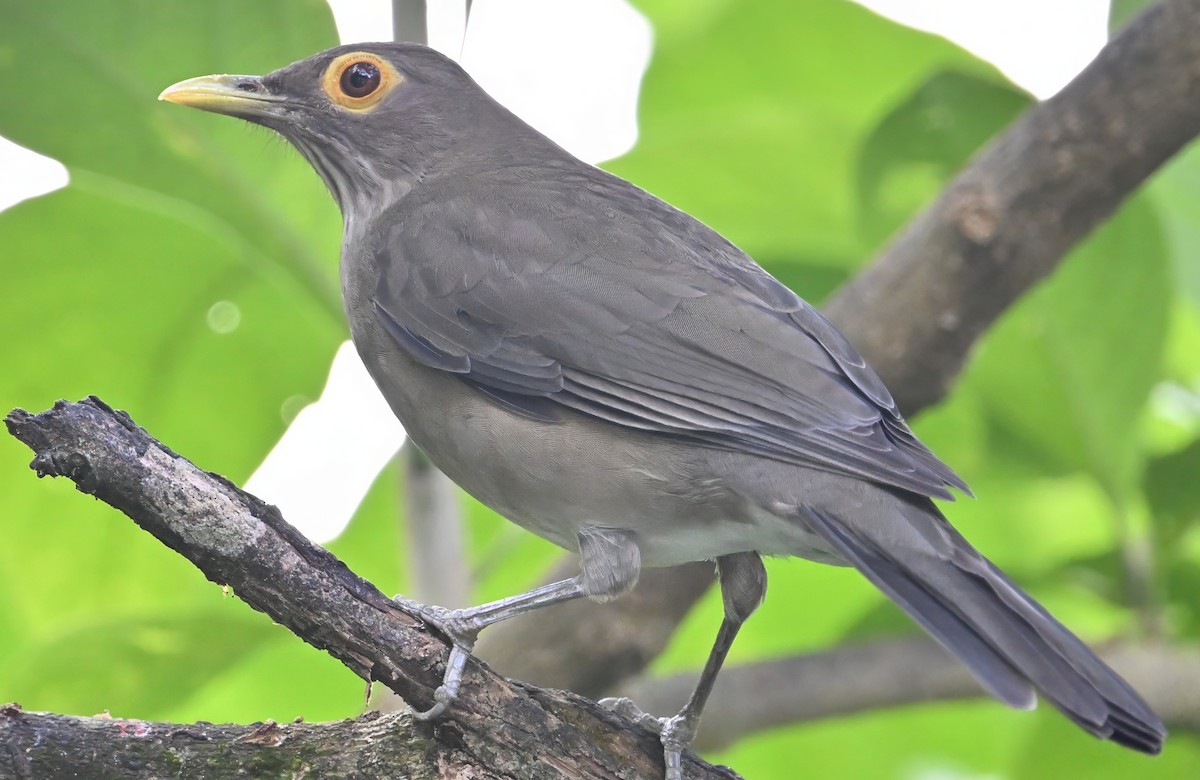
(613, 375)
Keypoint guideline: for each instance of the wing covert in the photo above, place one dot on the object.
(659, 325)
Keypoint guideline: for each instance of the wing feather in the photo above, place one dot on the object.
(641, 317)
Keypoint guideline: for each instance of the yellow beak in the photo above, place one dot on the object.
(223, 94)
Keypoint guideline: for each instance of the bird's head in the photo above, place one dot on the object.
(368, 116)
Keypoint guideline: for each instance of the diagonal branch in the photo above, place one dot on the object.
(1014, 212)
(1000, 227)
(497, 728)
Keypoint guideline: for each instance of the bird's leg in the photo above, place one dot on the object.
(610, 563)
(462, 626)
(743, 585)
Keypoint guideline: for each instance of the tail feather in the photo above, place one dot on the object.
(1133, 723)
(1010, 643)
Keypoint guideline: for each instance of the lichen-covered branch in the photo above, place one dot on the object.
(497, 727)
(43, 745)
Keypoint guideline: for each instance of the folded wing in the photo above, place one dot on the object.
(619, 307)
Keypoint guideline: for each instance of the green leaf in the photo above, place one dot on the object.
(372, 544)
(1183, 585)
(1170, 488)
(284, 680)
(921, 143)
(187, 274)
(1057, 748)
(138, 667)
(753, 114)
(1175, 191)
(1069, 369)
(961, 740)
(236, 181)
(1121, 11)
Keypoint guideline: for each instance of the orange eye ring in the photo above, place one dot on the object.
(359, 80)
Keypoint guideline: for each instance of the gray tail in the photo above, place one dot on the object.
(1010, 643)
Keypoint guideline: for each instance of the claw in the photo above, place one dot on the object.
(462, 634)
(462, 626)
(623, 706)
(454, 623)
(441, 703)
(675, 733)
(447, 692)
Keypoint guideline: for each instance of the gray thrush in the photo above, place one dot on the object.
(609, 373)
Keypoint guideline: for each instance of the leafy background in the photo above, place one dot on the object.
(806, 132)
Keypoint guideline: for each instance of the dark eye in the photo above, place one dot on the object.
(360, 79)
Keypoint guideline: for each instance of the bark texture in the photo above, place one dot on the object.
(497, 728)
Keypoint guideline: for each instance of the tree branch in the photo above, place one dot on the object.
(1001, 226)
(41, 745)
(748, 699)
(1010, 217)
(410, 21)
(890, 673)
(499, 728)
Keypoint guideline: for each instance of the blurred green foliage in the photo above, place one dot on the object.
(806, 132)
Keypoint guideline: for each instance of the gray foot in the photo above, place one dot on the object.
(674, 733)
(462, 632)
(627, 709)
